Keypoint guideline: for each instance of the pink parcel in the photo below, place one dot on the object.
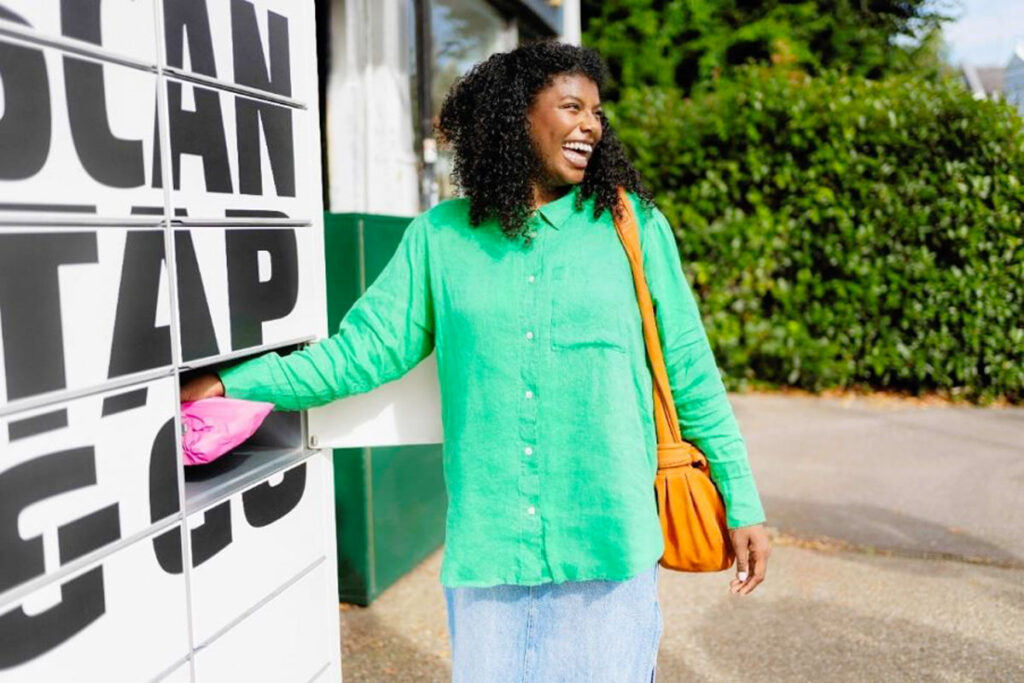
(213, 426)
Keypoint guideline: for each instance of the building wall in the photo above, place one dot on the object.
(372, 166)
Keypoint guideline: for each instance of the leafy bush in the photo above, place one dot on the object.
(841, 231)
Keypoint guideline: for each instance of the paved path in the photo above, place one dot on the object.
(821, 616)
(899, 556)
(943, 480)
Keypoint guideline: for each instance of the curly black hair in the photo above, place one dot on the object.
(484, 120)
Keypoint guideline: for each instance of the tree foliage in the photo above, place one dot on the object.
(685, 42)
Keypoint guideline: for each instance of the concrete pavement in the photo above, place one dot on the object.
(899, 555)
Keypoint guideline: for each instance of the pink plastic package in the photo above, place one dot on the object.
(213, 426)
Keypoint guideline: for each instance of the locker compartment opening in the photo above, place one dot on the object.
(278, 443)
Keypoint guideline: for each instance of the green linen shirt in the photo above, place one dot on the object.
(546, 397)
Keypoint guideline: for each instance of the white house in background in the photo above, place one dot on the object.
(984, 82)
(1013, 79)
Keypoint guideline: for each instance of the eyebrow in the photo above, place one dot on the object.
(573, 97)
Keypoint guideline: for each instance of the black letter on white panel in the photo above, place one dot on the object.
(265, 504)
(81, 19)
(277, 130)
(163, 497)
(24, 637)
(198, 339)
(214, 535)
(83, 535)
(247, 50)
(11, 16)
(138, 343)
(199, 132)
(251, 70)
(30, 306)
(38, 479)
(158, 169)
(163, 474)
(25, 125)
(110, 160)
(189, 16)
(253, 302)
(167, 549)
(207, 540)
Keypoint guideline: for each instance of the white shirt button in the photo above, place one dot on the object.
(529, 394)
(531, 510)
(529, 335)
(531, 278)
(528, 450)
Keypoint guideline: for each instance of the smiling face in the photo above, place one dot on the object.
(565, 125)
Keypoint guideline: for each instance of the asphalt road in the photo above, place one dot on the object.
(943, 481)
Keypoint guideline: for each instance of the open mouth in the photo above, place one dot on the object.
(577, 153)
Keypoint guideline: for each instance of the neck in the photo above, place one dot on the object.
(542, 194)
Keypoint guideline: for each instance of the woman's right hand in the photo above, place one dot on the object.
(204, 386)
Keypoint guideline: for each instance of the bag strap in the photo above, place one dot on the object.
(673, 449)
(666, 420)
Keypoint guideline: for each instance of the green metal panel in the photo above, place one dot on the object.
(352, 517)
(389, 501)
(343, 261)
(409, 505)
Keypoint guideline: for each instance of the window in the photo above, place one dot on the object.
(463, 33)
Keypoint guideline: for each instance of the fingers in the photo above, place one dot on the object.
(752, 550)
(741, 546)
(759, 565)
(204, 386)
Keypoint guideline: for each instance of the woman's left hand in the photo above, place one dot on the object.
(752, 550)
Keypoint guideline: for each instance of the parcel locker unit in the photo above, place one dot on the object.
(160, 213)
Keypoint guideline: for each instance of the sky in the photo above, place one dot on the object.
(986, 32)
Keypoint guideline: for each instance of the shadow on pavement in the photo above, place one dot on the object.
(795, 639)
(877, 527)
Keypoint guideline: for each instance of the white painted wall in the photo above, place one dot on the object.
(572, 28)
(373, 166)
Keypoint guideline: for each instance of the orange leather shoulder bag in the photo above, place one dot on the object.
(690, 507)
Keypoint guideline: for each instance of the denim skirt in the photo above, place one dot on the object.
(575, 631)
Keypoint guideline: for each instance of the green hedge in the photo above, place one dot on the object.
(843, 232)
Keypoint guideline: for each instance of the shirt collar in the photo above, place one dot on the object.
(557, 211)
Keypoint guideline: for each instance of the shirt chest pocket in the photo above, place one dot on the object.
(589, 308)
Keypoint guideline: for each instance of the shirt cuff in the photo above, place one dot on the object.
(242, 380)
(742, 502)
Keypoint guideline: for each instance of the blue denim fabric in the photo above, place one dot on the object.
(586, 631)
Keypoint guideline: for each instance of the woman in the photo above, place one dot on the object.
(552, 539)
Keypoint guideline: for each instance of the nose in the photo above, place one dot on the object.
(591, 122)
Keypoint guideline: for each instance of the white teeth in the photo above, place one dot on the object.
(579, 147)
